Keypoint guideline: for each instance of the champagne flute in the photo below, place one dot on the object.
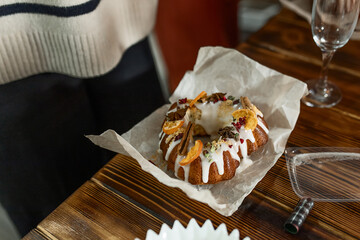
(332, 24)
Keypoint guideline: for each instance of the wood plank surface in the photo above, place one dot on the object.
(290, 36)
(96, 212)
(287, 46)
(261, 215)
(122, 201)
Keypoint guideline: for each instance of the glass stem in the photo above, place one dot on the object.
(326, 59)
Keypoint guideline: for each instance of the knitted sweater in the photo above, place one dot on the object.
(80, 38)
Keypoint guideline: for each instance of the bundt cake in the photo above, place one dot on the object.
(205, 140)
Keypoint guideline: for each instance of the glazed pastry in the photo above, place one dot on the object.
(204, 140)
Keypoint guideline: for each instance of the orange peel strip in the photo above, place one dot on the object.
(194, 152)
(250, 116)
(203, 93)
(171, 127)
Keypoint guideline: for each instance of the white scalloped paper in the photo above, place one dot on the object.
(193, 232)
(219, 70)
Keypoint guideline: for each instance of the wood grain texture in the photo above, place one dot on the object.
(122, 201)
(262, 213)
(287, 46)
(291, 37)
(96, 212)
(35, 234)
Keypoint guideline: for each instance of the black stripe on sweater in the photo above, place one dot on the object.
(68, 11)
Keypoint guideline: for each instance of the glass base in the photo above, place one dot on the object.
(322, 98)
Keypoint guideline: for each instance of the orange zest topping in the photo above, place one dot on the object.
(193, 153)
(171, 127)
(202, 94)
(249, 116)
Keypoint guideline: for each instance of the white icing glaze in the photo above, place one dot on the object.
(186, 168)
(213, 118)
(246, 134)
(262, 125)
(161, 137)
(217, 156)
(172, 110)
(259, 114)
(169, 138)
(205, 164)
(233, 150)
(171, 147)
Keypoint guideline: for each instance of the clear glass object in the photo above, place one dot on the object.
(332, 24)
(325, 173)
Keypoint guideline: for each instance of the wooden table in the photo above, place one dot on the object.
(122, 202)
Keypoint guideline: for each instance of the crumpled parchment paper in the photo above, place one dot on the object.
(219, 69)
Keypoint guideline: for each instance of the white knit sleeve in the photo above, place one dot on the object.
(80, 38)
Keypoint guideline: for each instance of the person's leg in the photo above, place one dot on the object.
(44, 155)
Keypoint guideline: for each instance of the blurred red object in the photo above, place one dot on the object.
(183, 26)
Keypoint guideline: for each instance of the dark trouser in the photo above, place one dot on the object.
(44, 155)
